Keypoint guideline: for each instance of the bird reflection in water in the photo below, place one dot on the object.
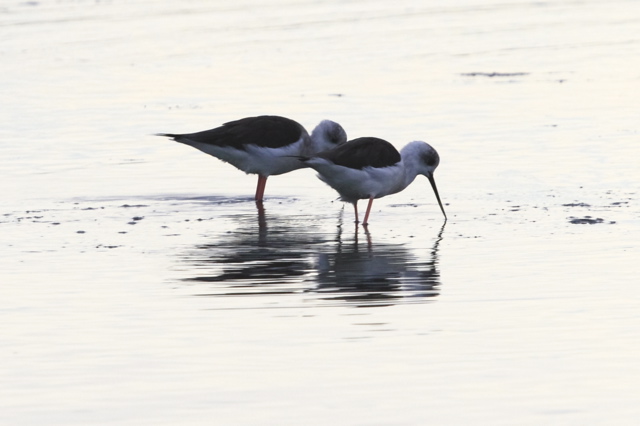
(377, 274)
(255, 258)
(298, 262)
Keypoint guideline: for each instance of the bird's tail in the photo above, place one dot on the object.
(168, 135)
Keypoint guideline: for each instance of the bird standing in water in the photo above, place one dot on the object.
(370, 168)
(264, 145)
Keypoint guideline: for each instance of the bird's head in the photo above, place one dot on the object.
(328, 134)
(426, 160)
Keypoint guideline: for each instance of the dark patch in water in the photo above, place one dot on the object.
(585, 220)
(494, 74)
(576, 205)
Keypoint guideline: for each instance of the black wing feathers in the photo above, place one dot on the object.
(363, 152)
(268, 131)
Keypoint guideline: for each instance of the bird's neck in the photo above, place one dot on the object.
(320, 138)
(309, 146)
(411, 164)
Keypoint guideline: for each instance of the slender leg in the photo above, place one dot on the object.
(355, 209)
(262, 182)
(366, 215)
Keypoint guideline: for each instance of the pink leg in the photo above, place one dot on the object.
(262, 182)
(366, 215)
(355, 209)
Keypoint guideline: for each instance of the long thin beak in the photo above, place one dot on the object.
(435, 190)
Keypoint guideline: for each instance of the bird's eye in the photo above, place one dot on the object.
(336, 137)
(431, 160)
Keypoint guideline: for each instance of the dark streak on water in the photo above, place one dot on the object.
(494, 74)
(587, 220)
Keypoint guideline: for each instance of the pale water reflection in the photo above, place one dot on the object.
(267, 256)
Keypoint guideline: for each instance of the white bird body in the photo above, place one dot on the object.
(254, 159)
(372, 182)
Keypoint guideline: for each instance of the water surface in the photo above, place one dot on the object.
(142, 285)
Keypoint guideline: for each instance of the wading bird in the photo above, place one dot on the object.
(265, 145)
(370, 168)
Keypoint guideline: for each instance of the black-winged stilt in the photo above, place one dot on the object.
(265, 145)
(370, 168)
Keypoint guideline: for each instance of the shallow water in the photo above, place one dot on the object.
(141, 285)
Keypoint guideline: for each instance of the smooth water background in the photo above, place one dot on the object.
(140, 284)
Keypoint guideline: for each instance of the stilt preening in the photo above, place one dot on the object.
(370, 168)
(264, 145)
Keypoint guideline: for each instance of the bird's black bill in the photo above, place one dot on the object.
(435, 190)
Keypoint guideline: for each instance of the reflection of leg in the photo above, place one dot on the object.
(366, 216)
(262, 182)
(368, 235)
(262, 221)
(355, 209)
